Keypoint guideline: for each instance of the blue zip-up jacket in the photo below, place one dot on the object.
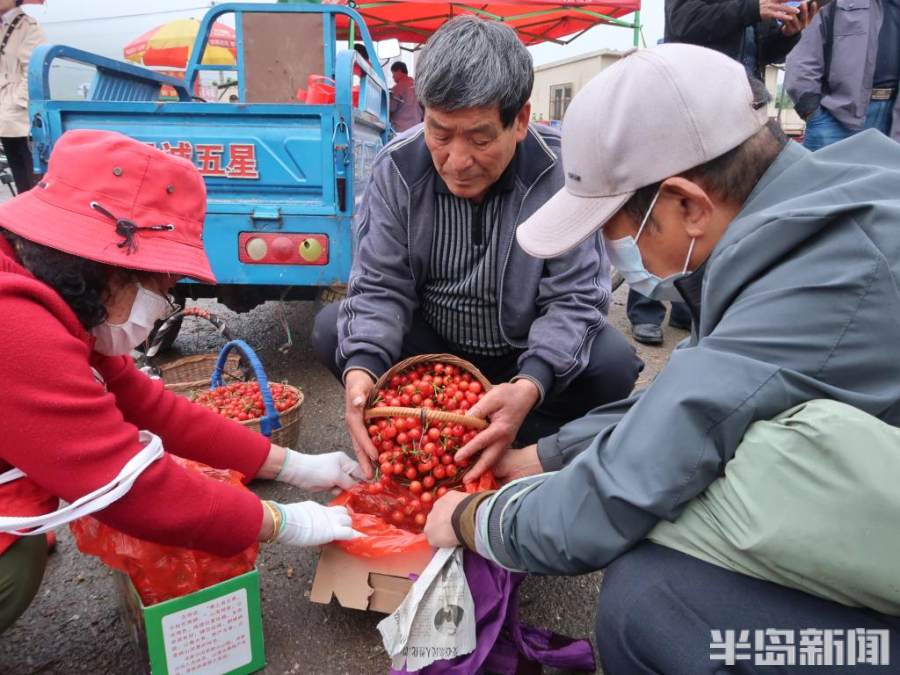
(551, 309)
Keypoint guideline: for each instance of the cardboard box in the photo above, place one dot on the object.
(376, 584)
(213, 630)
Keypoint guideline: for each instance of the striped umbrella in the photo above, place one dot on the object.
(170, 45)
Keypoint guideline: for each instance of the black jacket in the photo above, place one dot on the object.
(721, 24)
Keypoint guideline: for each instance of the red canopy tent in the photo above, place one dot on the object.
(536, 21)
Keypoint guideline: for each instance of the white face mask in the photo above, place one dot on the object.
(625, 256)
(116, 339)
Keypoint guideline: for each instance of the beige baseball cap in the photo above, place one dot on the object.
(654, 114)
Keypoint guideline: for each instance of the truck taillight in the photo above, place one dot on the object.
(259, 248)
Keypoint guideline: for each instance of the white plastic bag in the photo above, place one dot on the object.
(436, 620)
(99, 499)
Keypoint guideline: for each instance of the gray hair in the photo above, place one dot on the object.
(474, 63)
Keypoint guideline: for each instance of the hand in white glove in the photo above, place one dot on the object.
(311, 524)
(318, 473)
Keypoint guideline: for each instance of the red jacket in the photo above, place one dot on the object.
(70, 433)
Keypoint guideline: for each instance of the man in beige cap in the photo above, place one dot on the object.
(789, 262)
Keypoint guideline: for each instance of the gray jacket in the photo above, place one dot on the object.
(844, 33)
(551, 309)
(800, 301)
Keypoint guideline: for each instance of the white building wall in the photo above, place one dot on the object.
(577, 72)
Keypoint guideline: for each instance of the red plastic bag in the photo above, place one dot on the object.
(382, 537)
(161, 572)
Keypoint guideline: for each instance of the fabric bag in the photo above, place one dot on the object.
(811, 500)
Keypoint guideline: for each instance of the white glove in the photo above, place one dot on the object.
(311, 524)
(318, 473)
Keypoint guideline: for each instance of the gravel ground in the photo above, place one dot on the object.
(74, 627)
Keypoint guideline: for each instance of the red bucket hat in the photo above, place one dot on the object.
(110, 198)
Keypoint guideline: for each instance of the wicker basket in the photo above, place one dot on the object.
(333, 293)
(188, 374)
(426, 414)
(282, 428)
(287, 435)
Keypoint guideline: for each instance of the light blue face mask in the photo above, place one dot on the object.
(625, 256)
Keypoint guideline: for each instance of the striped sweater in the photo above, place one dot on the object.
(459, 296)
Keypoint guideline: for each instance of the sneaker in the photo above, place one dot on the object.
(647, 333)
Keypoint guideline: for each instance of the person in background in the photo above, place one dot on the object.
(436, 267)
(405, 109)
(19, 35)
(843, 75)
(87, 259)
(646, 316)
(754, 32)
(360, 49)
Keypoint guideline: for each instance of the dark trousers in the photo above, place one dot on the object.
(21, 571)
(609, 376)
(658, 607)
(18, 154)
(641, 309)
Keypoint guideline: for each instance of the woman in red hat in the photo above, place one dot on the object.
(86, 262)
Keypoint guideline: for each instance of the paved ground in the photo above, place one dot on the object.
(74, 627)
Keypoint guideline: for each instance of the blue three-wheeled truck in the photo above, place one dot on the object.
(284, 169)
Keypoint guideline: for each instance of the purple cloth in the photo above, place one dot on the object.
(504, 645)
